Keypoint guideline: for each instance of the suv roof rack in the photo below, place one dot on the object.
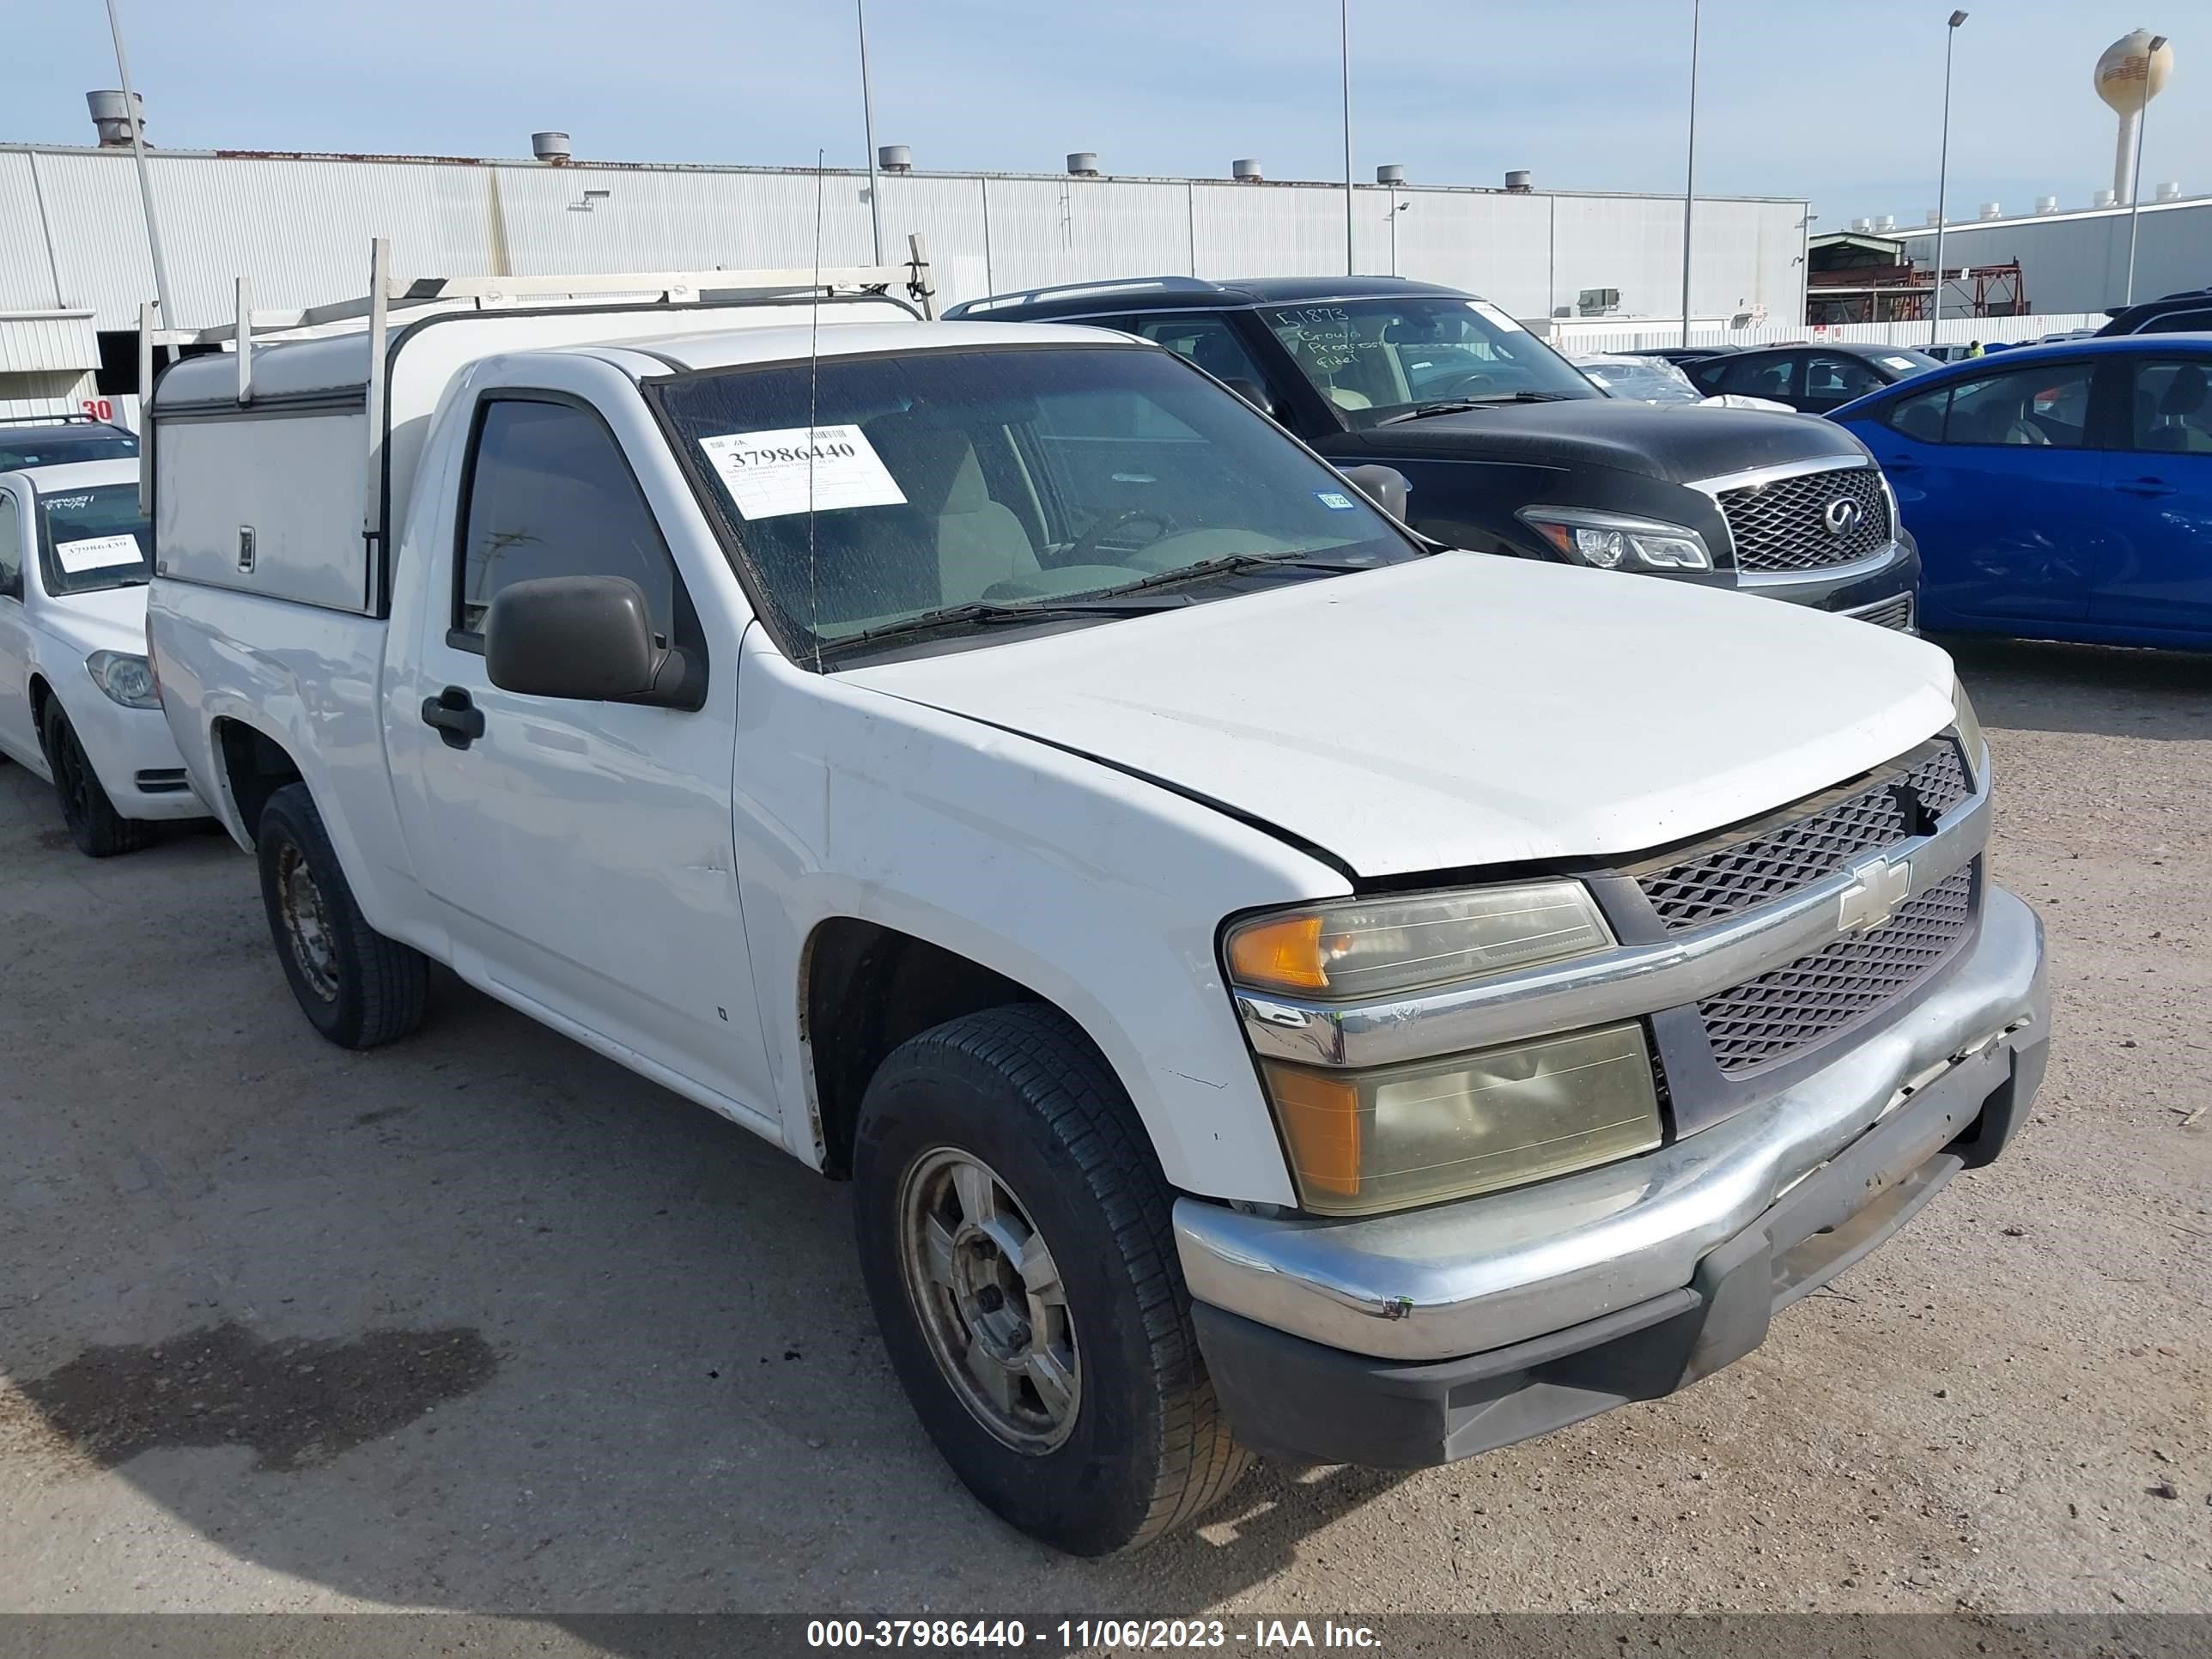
(50, 420)
(1118, 285)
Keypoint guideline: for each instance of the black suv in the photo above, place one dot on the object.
(2189, 312)
(1507, 449)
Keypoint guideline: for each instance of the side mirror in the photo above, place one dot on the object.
(1385, 486)
(1254, 394)
(588, 639)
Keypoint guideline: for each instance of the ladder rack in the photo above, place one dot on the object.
(402, 300)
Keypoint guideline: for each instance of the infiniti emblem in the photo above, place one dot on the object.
(1843, 516)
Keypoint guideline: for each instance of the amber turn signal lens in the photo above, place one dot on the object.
(1320, 1115)
(1285, 954)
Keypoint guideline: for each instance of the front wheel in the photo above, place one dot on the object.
(358, 988)
(99, 830)
(1013, 1231)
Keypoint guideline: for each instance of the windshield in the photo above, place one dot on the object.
(22, 447)
(94, 539)
(1374, 359)
(1651, 381)
(1006, 480)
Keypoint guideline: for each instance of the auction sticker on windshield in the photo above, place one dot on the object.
(1496, 319)
(97, 553)
(772, 475)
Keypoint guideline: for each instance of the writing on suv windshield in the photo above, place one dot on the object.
(961, 491)
(94, 539)
(1377, 359)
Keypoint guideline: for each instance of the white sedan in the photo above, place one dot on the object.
(78, 705)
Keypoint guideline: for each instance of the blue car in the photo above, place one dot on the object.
(2060, 492)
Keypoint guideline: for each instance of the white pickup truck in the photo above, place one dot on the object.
(1273, 984)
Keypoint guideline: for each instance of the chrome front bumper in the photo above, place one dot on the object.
(1485, 1273)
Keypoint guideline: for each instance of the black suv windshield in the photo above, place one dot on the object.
(1377, 359)
(94, 539)
(965, 490)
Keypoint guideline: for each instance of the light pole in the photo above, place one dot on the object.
(1690, 176)
(1942, 182)
(145, 178)
(868, 121)
(1344, 60)
(2135, 190)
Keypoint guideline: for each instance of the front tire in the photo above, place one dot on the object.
(99, 830)
(1013, 1231)
(358, 988)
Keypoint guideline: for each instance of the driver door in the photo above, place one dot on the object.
(581, 854)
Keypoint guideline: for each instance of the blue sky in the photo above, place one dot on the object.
(1836, 101)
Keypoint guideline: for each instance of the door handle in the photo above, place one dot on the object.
(2147, 487)
(460, 722)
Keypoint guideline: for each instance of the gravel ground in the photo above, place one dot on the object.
(484, 1322)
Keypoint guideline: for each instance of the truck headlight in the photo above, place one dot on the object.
(1364, 1141)
(1614, 541)
(1384, 1138)
(1970, 735)
(126, 680)
(1375, 947)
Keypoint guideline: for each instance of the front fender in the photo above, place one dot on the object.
(1101, 892)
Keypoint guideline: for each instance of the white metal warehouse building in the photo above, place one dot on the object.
(2078, 261)
(299, 225)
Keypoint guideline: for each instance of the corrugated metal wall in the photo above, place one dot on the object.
(300, 229)
(2079, 261)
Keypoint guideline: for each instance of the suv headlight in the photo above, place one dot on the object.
(1969, 734)
(1614, 541)
(127, 680)
(1360, 1141)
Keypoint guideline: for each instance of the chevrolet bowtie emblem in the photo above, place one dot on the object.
(1878, 886)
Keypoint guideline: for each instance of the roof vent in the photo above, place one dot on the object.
(1246, 170)
(2046, 205)
(111, 113)
(550, 147)
(1390, 175)
(1887, 223)
(2103, 198)
(1083, 163)
(2170, 192)
(1992, 210)
(1861, 226)
(1932, 218)
(1519, 181)
(895, 158)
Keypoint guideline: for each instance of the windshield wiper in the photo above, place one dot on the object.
(1461, 405)
(1123, 601)
(984, 613)
(1234, 564)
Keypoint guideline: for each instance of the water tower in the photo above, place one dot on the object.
(2129, 75)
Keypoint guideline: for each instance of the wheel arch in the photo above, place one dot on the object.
(251, 766)
(864, 988)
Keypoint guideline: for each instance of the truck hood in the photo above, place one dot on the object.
(1463, 709)
(1680, 443)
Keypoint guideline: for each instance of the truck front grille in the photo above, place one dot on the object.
(1776, 858)
(1782, 1012)
(1785, 524)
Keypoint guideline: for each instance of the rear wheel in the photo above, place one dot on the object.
(99, 830)
(1014, 1235)
(358, 988)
